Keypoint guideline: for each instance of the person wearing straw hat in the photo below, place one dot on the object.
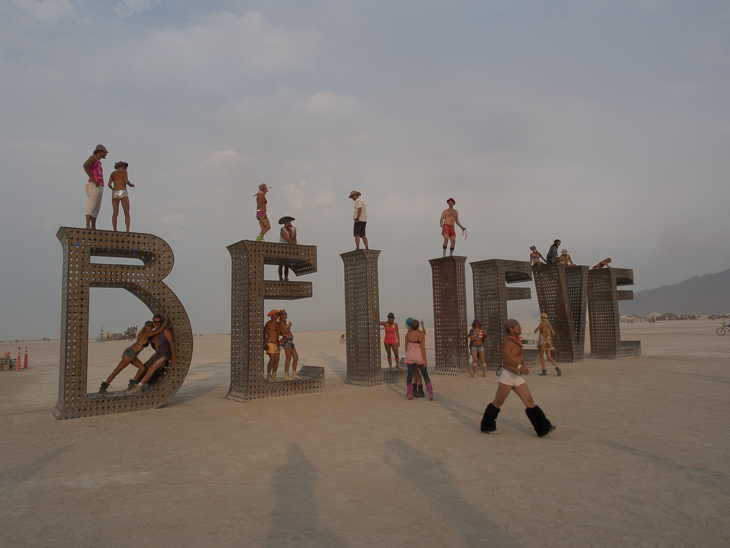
(510, 378)
(545, 343)
(261, 216)
(287, 235)
(118, 182)
(271, 342)
(360, 216)
(448, 218)
(565, 258)
(95, 185)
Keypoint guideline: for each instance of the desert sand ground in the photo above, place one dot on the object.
(640, 458)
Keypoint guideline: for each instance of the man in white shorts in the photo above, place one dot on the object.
(95, 185)
(513, 358)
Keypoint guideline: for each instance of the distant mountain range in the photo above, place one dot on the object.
(708, 294)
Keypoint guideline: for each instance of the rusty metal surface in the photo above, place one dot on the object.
(249, 290)
(604, 316)
(449, 314)
(561, 295)
(362, 319)
(145, 282)
(490, 279)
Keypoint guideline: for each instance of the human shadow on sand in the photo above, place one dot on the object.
(426, 474)
(296, 520)
(709, 479)
(15, 477)
(214, 376)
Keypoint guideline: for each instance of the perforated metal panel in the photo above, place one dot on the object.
(603, 313)
(143, 281)
(561, 295)
(362, 319)
(249, 290)
(577, 282)
(491, 294)
(449, 315)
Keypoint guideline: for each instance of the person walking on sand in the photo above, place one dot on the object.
(416, 357)
(391, 340)
(261, 216)
(603, 263)
(130, 354)
(476, 347)
(118, 182)
(513, 368)
(545, 344)
(271, 341)
(449, 217)
(360, 216)
(417, 378)
(287, 343)
(287, 235)
(95, 185)
(164, 353)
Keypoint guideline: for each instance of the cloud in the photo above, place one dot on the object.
(358, 139)
(46, 11)
(127, 8)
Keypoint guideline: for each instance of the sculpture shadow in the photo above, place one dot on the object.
(296, 519)
(15, 477)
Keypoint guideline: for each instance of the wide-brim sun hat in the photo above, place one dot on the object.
(353, 193)
(100, 148)
(286, 219)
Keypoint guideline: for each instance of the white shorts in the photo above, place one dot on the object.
(510, 379)
(93, 200)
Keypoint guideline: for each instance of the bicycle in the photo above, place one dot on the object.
(724, 328)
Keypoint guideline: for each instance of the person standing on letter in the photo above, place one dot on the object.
(95, 185)
(448, 218)
(360, 216)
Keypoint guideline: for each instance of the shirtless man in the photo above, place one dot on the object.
(287, 343)
(118, 182)
(95, 185)
(448, 218)
(513, 357)
(271, 341)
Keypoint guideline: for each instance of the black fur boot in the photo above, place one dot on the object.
(489, 420)
(420, 391)
(539, 421)
(103, 388)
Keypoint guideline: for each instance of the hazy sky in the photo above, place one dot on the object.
(604, 124)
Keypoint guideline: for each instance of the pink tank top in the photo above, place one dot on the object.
(97, 173)
(414, 353)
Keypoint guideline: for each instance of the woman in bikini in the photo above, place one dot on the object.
(392, 339)
(118, 182)
(261, 216)
(416, 357)
(131, 353)
(476, 346)
(545, 343)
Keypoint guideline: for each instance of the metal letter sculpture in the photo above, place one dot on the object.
(143, 281)
(604, 318)
(561, 295)
(249, 289)
(490, 279)
(362, 321)
(449, 315)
